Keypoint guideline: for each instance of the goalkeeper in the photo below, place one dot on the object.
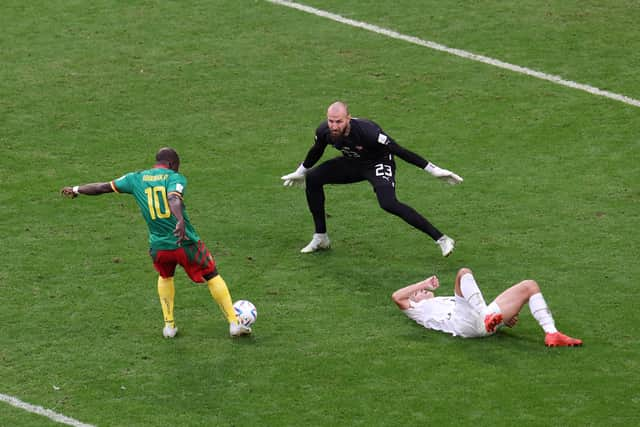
(367, 154)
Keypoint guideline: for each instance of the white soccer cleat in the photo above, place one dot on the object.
(238, 329)
(319, 241)
(447, 244)
(169, 332)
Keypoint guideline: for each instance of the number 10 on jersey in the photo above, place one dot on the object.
(155, 197)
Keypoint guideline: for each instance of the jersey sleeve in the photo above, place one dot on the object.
(407, 155)
(317, 149)
(124, 184)
(177, 185)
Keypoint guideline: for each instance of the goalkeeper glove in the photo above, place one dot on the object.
(295, 178)
(443, 174)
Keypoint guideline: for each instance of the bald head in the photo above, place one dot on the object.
(338, 107)
(168, 157)
(338, 119)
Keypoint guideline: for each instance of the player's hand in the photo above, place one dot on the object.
(68, 192)
(295, 178)
(443, 174)
(180, 232)
(432, 283)
(512, 322)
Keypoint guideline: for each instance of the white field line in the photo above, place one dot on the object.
(42, 411)
(457, 52)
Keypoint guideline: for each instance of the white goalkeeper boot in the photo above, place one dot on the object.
(236, 329)
(169, 332)
(446, 244)
(319, 241)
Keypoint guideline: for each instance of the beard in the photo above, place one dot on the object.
(335, 135)
(338, 134)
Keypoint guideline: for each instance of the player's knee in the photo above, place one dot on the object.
(532, 286)
(462, 272)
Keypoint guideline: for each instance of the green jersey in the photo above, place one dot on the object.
(151, 189)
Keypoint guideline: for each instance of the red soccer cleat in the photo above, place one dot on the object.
(558, 339)
(492, 321)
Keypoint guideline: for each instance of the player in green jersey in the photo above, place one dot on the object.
(172, 239)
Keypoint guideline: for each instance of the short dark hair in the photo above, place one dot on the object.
(166, 155)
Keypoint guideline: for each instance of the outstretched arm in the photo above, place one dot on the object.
(297, 177)
(94, 189)
(407, 155)
(413, 158)
(402, 296)
(314, 154)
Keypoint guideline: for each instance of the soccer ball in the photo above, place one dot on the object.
(246, 312)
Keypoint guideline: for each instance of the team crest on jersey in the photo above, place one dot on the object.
(179, 188)
(383, 139)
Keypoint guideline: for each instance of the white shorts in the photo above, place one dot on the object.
(467, 322)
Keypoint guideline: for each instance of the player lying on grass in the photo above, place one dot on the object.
(466, 313)
(172, 239)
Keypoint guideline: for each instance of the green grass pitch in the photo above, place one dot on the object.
(90, 90)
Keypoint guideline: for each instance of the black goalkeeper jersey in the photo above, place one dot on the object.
(366, 142)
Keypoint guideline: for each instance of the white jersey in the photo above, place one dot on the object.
(433, 313)
(452, 315)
